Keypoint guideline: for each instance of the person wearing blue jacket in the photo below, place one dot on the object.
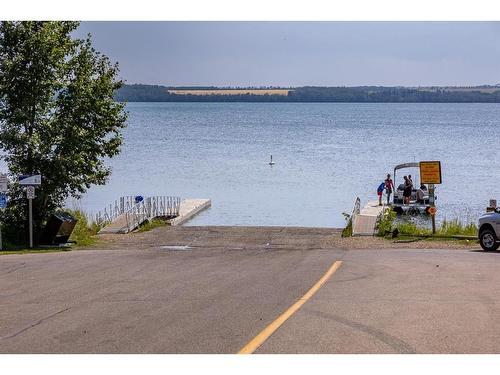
(380, 190)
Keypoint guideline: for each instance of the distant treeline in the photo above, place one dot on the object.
(362, 94)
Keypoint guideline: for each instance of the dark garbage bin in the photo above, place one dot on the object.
(58, 229)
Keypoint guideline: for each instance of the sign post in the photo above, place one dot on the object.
(30, 181)
(4, 186)
(30, 194)
(430, 173)
(432, 211)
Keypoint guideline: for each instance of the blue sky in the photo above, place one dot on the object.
(301, 53)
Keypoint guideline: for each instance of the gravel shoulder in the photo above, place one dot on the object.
(242, 237)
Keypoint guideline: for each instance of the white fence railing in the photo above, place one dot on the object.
(115, 209)
(137, 212)
(356, 209)
(151, 207)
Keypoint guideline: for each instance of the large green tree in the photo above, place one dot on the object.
(58, 117)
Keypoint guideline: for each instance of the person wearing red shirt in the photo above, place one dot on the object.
(389, 187)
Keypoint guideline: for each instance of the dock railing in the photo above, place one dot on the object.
(151, 207)
(356, 209)
(137, 212)
(115, 209)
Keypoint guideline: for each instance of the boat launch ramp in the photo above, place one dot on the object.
(364, 220)
(128, 213)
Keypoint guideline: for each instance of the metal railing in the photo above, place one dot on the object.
(115, 209)
(356, 209)
(148, 208)
(151, 207)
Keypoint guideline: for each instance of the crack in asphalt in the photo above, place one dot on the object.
(393, 341)
(22, 265)
(34, 324)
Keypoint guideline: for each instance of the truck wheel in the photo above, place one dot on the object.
(488, 240)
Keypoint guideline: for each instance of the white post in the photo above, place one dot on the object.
(30, 204)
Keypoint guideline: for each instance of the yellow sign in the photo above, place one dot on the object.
(430, 172)
(432, 211)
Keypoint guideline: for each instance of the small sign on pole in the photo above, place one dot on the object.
(3, 200)
(26, 179)
(432, 212)
(30, 181)
(4, 183)
(30, 192)
(3, 204)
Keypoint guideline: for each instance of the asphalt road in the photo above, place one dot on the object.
(230, 283)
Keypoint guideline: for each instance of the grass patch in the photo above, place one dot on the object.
(84, 233)
(456, 227)
(448, 229)
(412, 229)
(34, 251)
(152, 224)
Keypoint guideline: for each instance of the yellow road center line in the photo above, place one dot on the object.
(258, 340)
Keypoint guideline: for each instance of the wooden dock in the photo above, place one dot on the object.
(365, 221)
(188, 209)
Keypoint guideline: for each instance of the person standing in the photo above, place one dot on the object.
(389, 187)
(380, 190)
(407, 190)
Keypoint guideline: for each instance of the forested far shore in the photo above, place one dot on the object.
(361, 94)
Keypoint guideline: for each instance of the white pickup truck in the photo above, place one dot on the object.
(489, 230)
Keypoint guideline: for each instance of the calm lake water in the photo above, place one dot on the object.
(326, 155)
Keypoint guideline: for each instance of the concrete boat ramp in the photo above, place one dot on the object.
(365, 220)
(177, 212)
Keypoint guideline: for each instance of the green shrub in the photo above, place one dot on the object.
(347, 231)
(84, 234)
(151, 224)
(385, 222)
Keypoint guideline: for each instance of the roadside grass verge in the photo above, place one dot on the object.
(454, 229)
(448, 228)
(84, 234)
(34, 250)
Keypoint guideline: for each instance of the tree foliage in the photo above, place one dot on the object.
(58, 116)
